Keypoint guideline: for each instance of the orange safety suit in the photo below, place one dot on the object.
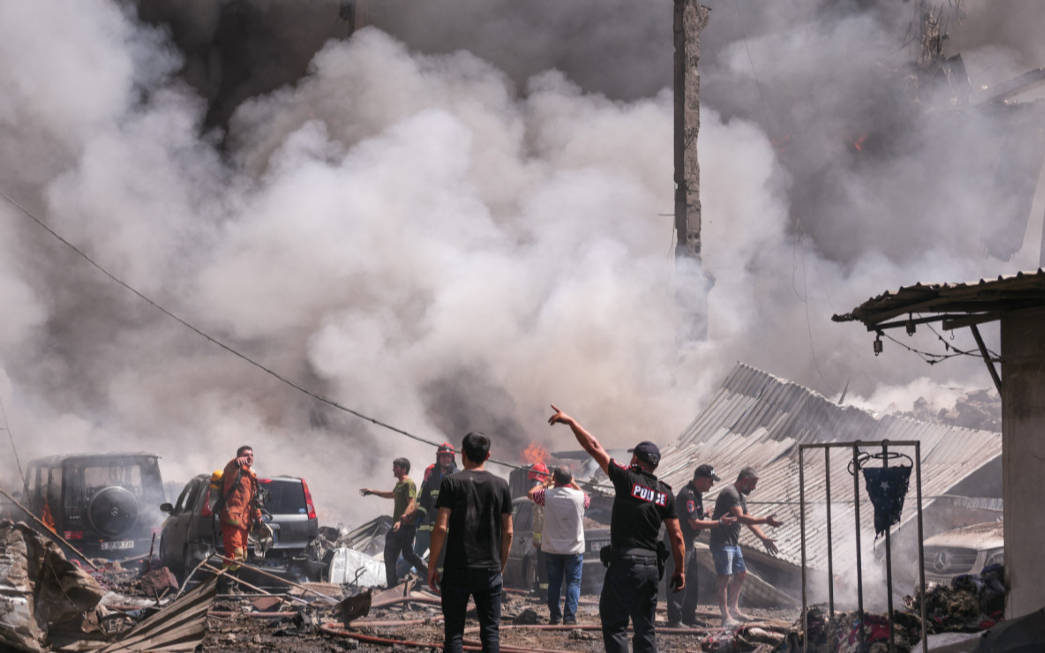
(240, 511)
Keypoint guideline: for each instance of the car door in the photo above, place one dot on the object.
(176, 527)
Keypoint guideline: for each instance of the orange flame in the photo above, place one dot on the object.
(859, 143)
(47, 518)
(535, 453)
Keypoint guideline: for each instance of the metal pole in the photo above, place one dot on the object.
(921, 543)
(888, 561)
(859, 564)
(830, 551)
(802, 519)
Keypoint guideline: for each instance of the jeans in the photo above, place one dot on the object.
(398, 542)
(559, 565)
(728, 559)
(630, 592)
(682, 606)
(483, 585)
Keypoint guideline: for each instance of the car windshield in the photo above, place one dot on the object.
(285, 497)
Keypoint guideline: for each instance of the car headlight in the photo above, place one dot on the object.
(995, 557)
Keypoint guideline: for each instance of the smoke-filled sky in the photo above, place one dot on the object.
(462, 214)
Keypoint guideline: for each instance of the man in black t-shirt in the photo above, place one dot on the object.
(476, 506)
(725, 544)
(682, 606)
(640, 505)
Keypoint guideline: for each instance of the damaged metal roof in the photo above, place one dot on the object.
(758, 419)
(1006, 293)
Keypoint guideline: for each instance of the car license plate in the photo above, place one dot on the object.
(597, 545)
(118, 546)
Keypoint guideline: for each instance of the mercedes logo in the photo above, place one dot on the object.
(942, 561)
(115, 512)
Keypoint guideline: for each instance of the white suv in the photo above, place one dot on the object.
(965, 550)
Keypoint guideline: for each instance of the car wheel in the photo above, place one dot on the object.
(113, 511)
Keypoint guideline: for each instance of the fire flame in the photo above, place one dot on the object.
(859, 143)
(535, 453)
(47, 518)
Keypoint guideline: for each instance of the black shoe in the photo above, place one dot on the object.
(694, 623)
(569, 621)
(554, 621)
(674, 623)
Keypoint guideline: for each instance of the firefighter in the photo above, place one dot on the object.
(445, 464)
(537, 475)
(239, 512)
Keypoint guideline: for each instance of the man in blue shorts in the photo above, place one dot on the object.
(725, 544)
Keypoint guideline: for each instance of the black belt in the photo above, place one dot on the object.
(638, 553)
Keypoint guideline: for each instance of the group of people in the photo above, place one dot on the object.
(465, 519)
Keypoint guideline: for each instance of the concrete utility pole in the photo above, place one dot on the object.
(691, 284)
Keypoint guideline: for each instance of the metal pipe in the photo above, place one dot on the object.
(921, 544)
(830, 545)
(244, 583)
(888, 562)
(275, 577)
(802, 520)
(859, 563)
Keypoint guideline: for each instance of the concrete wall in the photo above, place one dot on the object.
(1023, 458)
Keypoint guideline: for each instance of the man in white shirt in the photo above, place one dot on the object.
(563, 540)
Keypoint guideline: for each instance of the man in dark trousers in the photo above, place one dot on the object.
(641, 504)
(476, 507)
(400, 540)
(444, 465)
(725, 544)
(682, 606)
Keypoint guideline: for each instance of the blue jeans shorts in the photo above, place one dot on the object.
(728, 560)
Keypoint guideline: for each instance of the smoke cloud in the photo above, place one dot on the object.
(461, 214)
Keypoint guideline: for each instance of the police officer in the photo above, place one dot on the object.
(682, 606)
(642, 503)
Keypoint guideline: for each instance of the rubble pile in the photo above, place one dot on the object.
(971, 602)
(979, 410)
(841, 633)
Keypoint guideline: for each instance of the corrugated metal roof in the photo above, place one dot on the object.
(1007, 292)
(758, 420)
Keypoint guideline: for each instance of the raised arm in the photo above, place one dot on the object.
(585, 439)
(506, 539)
(389, 494)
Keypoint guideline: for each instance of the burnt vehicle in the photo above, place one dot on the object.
(521, 571)
(192, 533)
(103, 504)
(965, 550)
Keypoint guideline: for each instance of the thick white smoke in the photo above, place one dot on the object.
(440, 242)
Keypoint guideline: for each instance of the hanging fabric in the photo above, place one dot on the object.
(886, 487)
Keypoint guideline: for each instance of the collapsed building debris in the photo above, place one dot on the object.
(971, 602)
(38, 588)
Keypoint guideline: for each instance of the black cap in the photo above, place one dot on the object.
(706, 471)
(647, 452)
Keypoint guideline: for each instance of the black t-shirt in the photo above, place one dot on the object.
(476, 501)
(727, 498)
(690, 505)
(640, 506)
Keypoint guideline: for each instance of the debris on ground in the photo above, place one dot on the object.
(970, 603)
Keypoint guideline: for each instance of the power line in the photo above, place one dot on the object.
(296, 386)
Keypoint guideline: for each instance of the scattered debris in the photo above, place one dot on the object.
(971, 602)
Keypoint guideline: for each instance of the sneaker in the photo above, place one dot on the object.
(569, 621)
(554, 621)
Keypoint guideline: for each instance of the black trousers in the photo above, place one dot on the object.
(401, 542)
(682, 606)
(630, 592)
(483, 585)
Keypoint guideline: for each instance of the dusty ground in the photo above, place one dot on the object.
(420, 623)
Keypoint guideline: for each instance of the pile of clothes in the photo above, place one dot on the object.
(971, 602)
(841, 633)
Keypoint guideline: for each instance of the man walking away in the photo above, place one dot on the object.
(563, 543)
(682, 606)
(444, 465)
(400, 540)
(640, 505)
(239, 511)
(725, 544)
(476, 507)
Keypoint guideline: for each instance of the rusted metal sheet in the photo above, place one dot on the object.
(178, 627)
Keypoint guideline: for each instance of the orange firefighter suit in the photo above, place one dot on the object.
(240, 487)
